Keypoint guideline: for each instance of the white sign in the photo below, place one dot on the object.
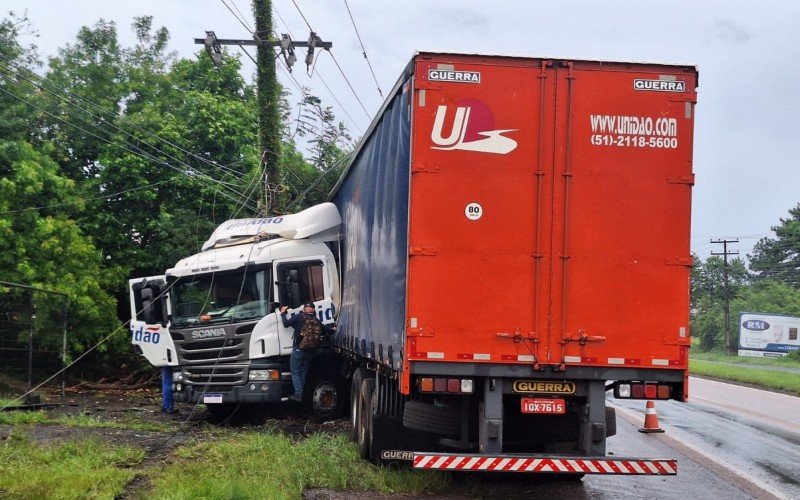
(768, 335)
(473, 211)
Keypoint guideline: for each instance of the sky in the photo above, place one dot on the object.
(747, 152)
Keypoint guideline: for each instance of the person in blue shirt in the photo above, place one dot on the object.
(167, 402)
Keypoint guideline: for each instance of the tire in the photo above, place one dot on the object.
(355, 409)
(364, 419)
(426, 417)
(611, 422)
(324, 395)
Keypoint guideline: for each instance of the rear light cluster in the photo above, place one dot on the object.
(642, 390)
(446, 385)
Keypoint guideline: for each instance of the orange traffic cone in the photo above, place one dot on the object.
(650, 419)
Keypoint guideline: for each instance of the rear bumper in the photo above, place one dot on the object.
(546, 464)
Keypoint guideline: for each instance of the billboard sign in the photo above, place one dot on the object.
(768, 335)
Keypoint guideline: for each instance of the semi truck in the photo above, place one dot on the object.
(508, 247)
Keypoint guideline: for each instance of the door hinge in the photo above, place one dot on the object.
(678, 261)
(423, 168)
(421, 251)
(426, 85)
(685, 97)
(681, 179)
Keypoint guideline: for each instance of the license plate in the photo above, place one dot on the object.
(543, 405)
(212, 398)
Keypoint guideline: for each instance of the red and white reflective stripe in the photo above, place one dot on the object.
(437, 461)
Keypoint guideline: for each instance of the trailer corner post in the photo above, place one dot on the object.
(490, 424)
(592, 438)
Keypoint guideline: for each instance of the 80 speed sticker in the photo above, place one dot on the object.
(473, 211)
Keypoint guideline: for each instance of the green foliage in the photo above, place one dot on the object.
(134, 156)
(707, 297)
(779, 258)
(86, 469)
(45, 248)
(269, 465)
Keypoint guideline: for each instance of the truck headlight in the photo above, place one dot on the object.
(264, 375)
(177, 376)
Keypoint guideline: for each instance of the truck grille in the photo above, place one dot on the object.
(233, 346)
(221, 375)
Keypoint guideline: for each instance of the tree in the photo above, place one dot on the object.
(707, 296)
(779, 258)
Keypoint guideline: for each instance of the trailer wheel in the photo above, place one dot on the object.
(355, 398)
(364, 417)
(426, 417)
(323, 396)
(611, 422)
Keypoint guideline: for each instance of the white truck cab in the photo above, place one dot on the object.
(214, 315)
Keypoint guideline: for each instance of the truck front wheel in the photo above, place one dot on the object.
(323, 396)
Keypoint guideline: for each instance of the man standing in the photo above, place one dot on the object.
(308, 330)
(167, 402)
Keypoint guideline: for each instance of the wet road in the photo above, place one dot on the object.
(731, 442)
(753, 433)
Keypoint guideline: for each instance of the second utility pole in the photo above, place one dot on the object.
(726, 306)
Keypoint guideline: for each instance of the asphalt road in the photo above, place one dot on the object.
(731, 442)
(750, 436)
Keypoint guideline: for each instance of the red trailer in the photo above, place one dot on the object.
(515, 244)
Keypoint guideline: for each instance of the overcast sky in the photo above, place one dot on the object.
(747, 131)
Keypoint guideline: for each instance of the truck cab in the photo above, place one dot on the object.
(214, 317)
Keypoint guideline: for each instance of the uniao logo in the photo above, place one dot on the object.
(756, 325)
(472, 129)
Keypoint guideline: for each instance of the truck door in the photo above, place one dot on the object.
(149, 303)
(298, 282)
(621, 198)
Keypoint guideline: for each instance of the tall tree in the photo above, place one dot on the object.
(707, 296)
(779, 258)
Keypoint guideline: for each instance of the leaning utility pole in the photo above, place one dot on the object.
(269, 126)
(726, 306)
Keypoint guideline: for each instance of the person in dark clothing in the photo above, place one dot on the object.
(298, 362)
(167, 402)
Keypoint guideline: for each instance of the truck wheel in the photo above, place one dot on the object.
(323, 396)
(426, 417)
(355, 409)
(611, 422)
(364, 417)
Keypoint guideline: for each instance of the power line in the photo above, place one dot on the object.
(71, 106)
(141, 153)
(87, 199)
(241, 20)
(363, 50)
(337, 64)
(102, 111)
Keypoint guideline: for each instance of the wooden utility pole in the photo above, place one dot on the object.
(726, 285)
(269, 124)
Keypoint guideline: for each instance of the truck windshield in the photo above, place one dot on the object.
(220, 298)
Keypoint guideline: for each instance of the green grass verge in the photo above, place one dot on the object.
(80, 420)
(722, 358)
(768, 379)
(89, 469)
(270, 465)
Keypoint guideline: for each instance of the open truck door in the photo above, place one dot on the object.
(149, 302)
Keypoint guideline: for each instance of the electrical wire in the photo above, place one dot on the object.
(88, 199)
(125, 145)
(243, 23)
(363, 49)
(111, 115)
(347, 80)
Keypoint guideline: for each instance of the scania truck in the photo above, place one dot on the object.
(508, 246)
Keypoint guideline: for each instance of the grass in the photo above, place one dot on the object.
(769, 379)
(80, 420)
(722, 358)
(271, 465)
(89, 469)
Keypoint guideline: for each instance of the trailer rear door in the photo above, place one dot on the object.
(549, 218)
